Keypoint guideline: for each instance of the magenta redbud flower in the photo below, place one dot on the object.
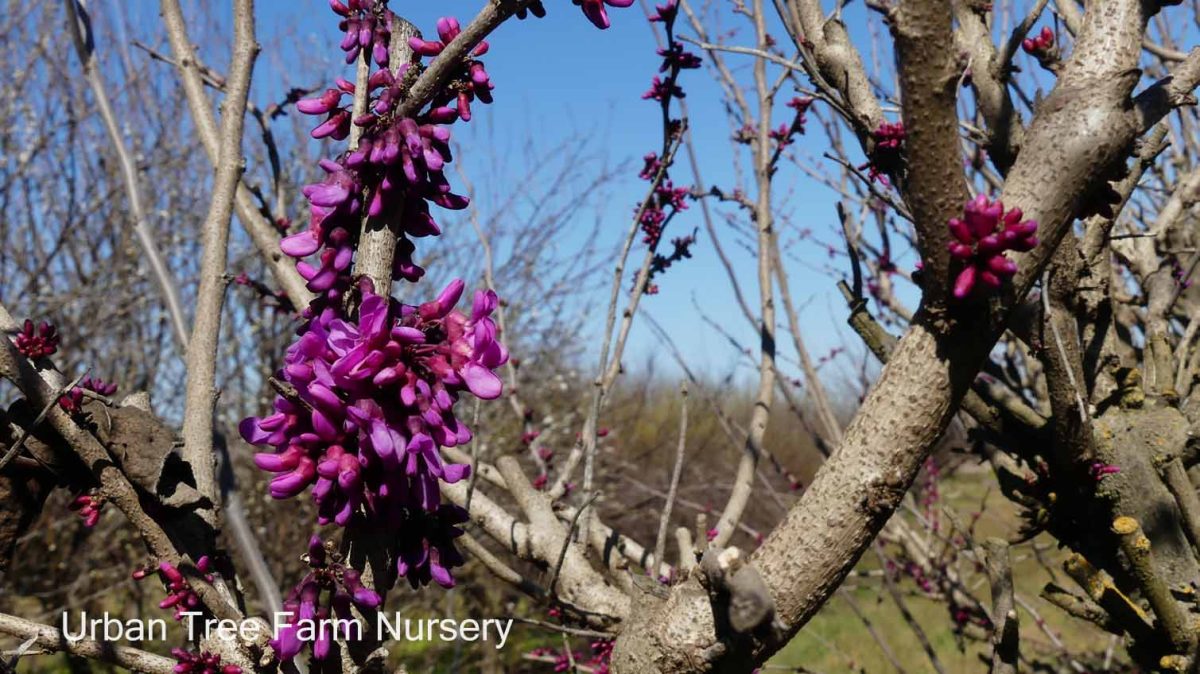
(885, 156)
(37, 343)
(377, 398)
(651, 168)
(448, 28)
(666, 13)
(595, 12)
(782, 135)
(96, 385)
(88, 506)
(427, 550)
(981, 238)
(329, 590)
(337, 126)
(676, 57)
(472, 82)
(425, 47)
(661, 90)
(1100, 470)
(362, 29)
(535, 8)
(321, 105)
(1042, 42)
(180, 595)
(72, 402)
(800, 104)
(889, 136)
(201, 663)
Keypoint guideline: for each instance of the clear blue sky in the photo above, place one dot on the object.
(565, 76)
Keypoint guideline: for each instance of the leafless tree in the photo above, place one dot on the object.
(1066, 363)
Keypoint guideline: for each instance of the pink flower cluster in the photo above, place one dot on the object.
(475, 82)
(651, 168)
(889, 135)
(369, 399)
(886, 155)
(72, 401)
(180, 595)
(1098, 470)
(37, 343)
(569, 660)
(663, 90)
(374, 399)
(328, 590)
(88, 507)
(786, 132)
(981, 238)
(595, 12)
(674, 59)
(398, 168)
(201, 663)
(665, 200)
(366, 26)
(367, 395)
(1041, 43)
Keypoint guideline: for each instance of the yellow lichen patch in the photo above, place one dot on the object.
(1086, 575)
(1173, 663)
(1123, 526)
(1101, 589)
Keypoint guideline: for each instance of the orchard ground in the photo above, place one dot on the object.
(836, 640)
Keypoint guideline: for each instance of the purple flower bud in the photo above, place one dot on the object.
(982, 236)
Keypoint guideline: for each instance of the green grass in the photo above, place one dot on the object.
(837, 641)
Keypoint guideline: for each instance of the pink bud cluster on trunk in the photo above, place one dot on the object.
(981, 238)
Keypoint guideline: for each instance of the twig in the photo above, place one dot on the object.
(53, 640)
(660, 543)
(890, 584)
(1181, 488)
(499, 568)
(262, 232)
(562, 554)
(764, 223)
(573, 631)
(862, 617)
(608, 371)
(1058, 344)
(210, 296)
(26, 431)
(85, 48)
(1005, 645)
(1175, 625)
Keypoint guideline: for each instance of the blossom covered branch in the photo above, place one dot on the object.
(367, 392)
